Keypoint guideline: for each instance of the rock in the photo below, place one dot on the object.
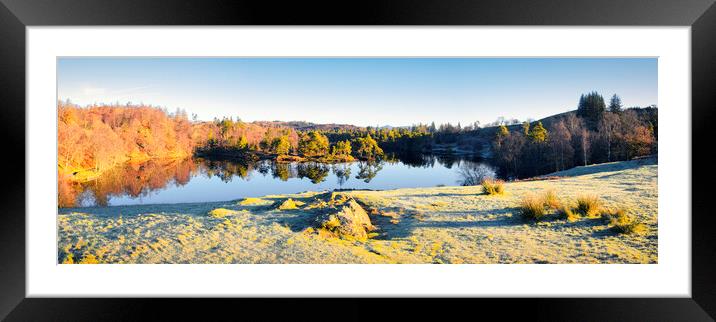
(348, 219)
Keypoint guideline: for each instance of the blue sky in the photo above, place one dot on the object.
(360, 91)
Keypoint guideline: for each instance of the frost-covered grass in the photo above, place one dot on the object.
(419, 225)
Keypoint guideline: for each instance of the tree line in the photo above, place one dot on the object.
(595, 133)
(96, 138)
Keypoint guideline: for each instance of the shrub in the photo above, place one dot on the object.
(589, 205)
(474, 174)
(532, 207)
(493, 187)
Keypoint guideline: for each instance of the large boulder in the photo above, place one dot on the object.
(347, 219)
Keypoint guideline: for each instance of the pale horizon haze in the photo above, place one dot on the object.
(358, 91)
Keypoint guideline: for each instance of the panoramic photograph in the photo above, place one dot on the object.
(361, 160)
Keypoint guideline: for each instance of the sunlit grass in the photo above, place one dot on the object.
(250, 201)
(589, 205)
(532, 207)
(622, 222)
(221, 212)
(493, 186)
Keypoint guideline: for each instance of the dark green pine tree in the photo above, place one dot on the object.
(591, 108)
(615, 104)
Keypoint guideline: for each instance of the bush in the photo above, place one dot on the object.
(493, 187)
(589, 205)
(474, 174)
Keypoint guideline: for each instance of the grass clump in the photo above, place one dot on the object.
(567, 212)
(221, 212)
(624, 223)
(493, 186)
(589, 205)
(550, 200)
(532, 207)
(537, 206)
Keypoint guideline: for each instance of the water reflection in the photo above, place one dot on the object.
(135, 180)
(214, 179)
(367, 171)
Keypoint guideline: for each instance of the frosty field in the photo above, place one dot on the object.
(446, 225)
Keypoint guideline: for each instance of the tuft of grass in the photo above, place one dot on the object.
(537, 206)
(589, 205)
(493, 186)
(221, 212)
(532, 207)
(624, 223)
(550, 200)
(568, 213)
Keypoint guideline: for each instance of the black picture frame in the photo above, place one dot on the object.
(15, 15)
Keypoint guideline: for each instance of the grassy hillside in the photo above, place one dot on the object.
(421, 225)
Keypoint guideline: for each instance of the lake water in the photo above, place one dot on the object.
(200, 180)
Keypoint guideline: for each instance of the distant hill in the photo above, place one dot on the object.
(307, 126)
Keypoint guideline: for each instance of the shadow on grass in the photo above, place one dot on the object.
(410, 220)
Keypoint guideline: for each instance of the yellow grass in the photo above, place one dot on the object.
(493, 187)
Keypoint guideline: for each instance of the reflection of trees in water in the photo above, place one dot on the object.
(447, 160)
(368, 170)
(342, 172)
(225, 170)
(415, 160)
(264, 167)
(472, 173)
(283, 171)
(316, 172)
(134, 180)
(428, 160)
(139, 180)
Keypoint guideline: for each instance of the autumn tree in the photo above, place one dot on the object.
(367, 148)
(525, 128)
(342, 148)
(538, 134)
(281, 145)
(313, 144)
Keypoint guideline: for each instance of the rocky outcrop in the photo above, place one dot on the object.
(346, 219)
